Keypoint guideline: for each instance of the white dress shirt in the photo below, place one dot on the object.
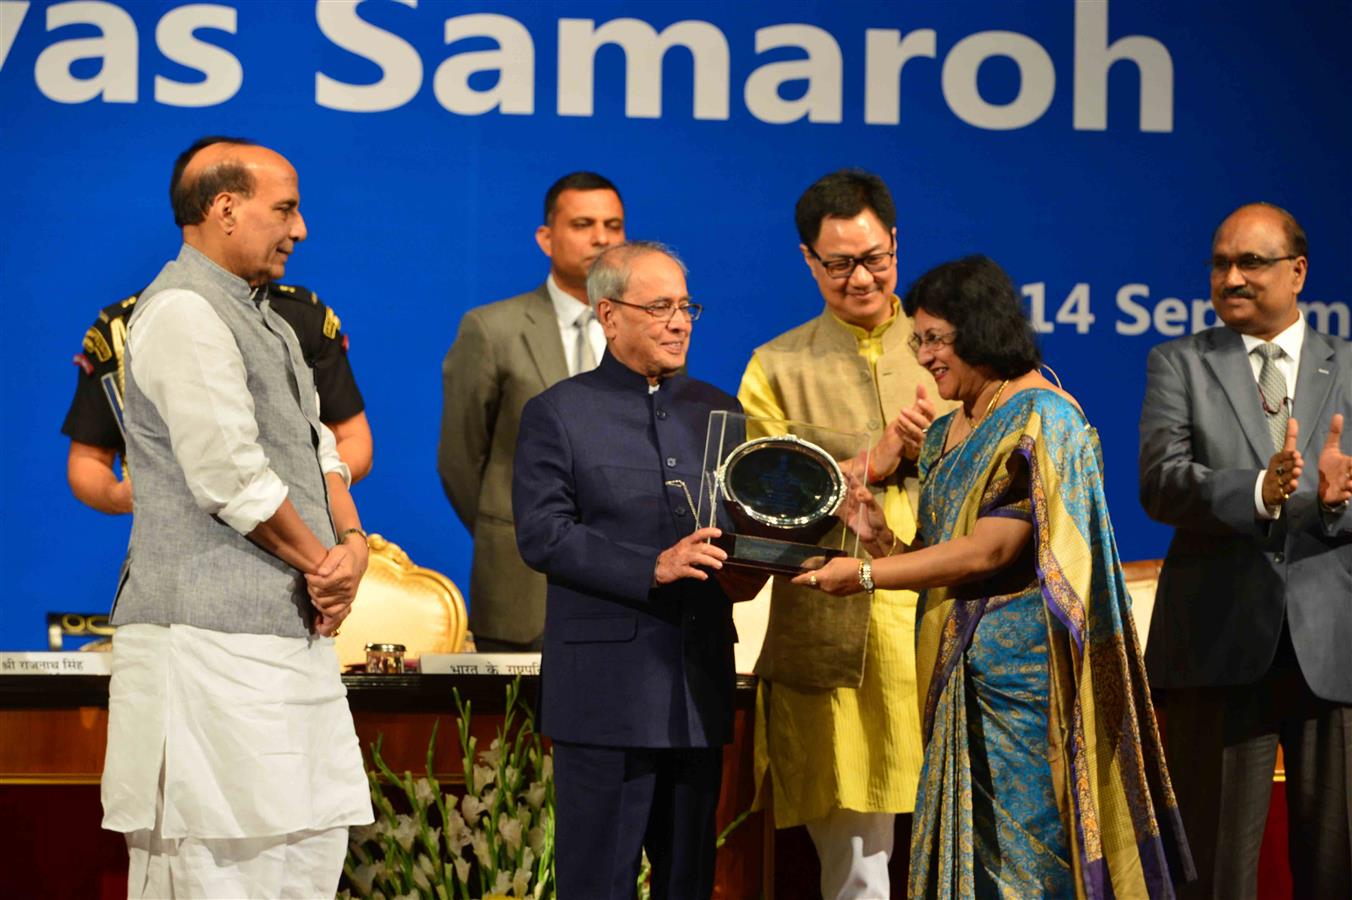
(567, 309)
(186, 361)
(1291, 341)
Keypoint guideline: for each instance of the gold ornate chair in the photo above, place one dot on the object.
(402, 603)
(1142, 577)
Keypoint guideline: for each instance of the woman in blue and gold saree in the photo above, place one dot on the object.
(1043, 773)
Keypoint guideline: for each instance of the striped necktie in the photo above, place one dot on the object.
(1272, 390)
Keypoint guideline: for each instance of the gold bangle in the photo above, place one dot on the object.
(893, 549)
(342, 538)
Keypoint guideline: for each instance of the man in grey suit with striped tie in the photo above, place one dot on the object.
(504, 354)
(1251, 639)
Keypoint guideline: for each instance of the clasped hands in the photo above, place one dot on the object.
(333, 584)
(1286, 465)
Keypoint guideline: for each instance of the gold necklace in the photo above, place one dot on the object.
(972, 423)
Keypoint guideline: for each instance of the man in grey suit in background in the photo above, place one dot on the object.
(504, 354)
(1251, 639)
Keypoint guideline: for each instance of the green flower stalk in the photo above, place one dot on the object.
(497, 838)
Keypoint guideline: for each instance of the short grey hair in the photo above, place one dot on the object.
(609, 274)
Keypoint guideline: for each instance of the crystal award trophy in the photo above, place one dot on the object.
(776, 488)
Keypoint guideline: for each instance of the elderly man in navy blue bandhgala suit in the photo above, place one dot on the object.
(637, 673)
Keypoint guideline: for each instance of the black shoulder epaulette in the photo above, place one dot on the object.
(293, 292)
(119, 309)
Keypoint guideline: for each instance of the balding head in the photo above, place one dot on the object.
(1297, 244)
(239, 204)
(1258, 269)
(190, 197)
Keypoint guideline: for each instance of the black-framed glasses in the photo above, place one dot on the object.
(1245, 262)
(844, 266)
(665, 310)
(932, 341)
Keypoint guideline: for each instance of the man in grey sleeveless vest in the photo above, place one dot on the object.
(232, 764)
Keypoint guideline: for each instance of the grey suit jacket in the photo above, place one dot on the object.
(504, 354)
(1229, 576)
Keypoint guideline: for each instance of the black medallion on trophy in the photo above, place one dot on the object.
(781, 491)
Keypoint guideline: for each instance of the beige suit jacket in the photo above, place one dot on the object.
(504, 354)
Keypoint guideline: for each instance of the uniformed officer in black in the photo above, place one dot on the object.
(94, 421)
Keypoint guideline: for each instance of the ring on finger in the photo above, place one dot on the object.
(812, 580)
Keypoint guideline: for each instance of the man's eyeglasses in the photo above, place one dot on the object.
(1245, 262)
(931, 341)
(665, 310)
(844, 266)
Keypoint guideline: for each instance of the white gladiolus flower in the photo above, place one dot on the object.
(503, 883)
(493, 755)
(364, 877)
(535, 794)
(472, 807)
(520, 882)
(457, 832)
(480, 844)
(405, 832)
(510, 829)
(423, 792)
(462, 870)
(535, 839)
(420, 878)
(484, 776)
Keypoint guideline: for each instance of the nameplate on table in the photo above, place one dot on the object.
(43, 663)
(479, 664)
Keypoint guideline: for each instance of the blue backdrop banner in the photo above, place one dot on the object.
(1090, 147)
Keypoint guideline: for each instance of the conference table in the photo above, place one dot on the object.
(52, 740)
(53, 731)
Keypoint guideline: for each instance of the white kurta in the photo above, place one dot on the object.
(253, 733)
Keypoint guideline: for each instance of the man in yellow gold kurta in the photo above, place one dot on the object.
(838, 728)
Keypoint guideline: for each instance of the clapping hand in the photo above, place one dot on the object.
(1283, 471)
(913, 423)
(903, 437)
(1335, 467)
